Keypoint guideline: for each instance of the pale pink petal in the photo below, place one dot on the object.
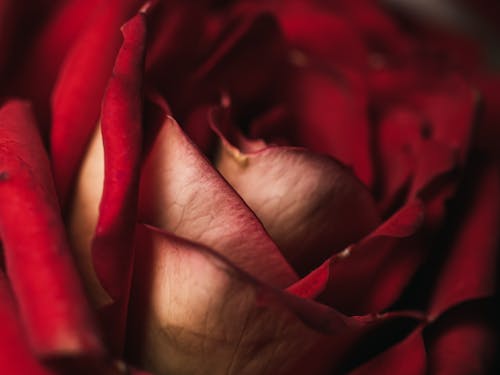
(182, 193)
(310, 204)
(194, 313)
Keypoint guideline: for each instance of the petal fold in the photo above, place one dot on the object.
(193, 312)
(310, 204)
(182, 193)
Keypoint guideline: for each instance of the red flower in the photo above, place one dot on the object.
(245, 187)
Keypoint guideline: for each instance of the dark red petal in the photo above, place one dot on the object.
(178, 30)
(19, 23)
(411, 159)
(8, 18)
(107, 266)
(182, 193)
(450, 108)
(407, 357)
(369, 276)
(379, 30)
(311, 205)
(239, 54)
(49, 48)
(46, 284)
(463, 341)
(312, 285)
(16, 356)
(76, 101)
(332, 117)
(435, 160)
(470, 269)
(399, 137)
(322, 34)
(489, 130)
(121, 133)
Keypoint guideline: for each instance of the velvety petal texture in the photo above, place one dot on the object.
(48, 48)
(16, 356)
(38, 260)
(406, 357)
(76, 99)
(311, 205)
(332, 116)
(106, 261)
(193, 312)
(182, 193)
(470, 269)
(249, 187)
(463, 341)
(379, 266)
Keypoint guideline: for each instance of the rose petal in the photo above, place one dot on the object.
(406, 357)
(182, 193)
(489, 129)
(16, 357)
(8, 16)
(463, 341)
(326, 35)
(399, 137)
(178, 30)
(411, 159)
(273, 126)
(435, 161)
(470, 269)
(314, 283)
(450, 109)
(197, 127)
(110, 265)
(121, 114)
(239, 54)
(332, 117)
(84, 214)
(369, 276)
(77, 96)
(318, 283)
(378, 28)
(309, 203)
(51, 300)
(48, 49)
(192, 311)
(19, 24)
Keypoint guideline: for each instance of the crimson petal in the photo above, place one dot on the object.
(107, 267)
(370, 275)
(407, 357)
(46, 284)
(79, 89)
(463, 341)
(16, 357)
(331, 112)
(470, 269)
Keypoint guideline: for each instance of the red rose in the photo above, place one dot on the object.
(245, 187)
